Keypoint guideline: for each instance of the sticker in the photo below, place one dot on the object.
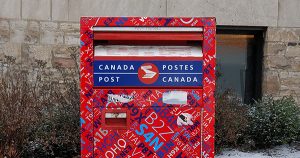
(119, 98)
(175, 97)
(184, 119)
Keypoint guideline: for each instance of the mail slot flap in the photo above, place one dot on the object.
(149, 33)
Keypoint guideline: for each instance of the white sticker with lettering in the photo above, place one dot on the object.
(119, 98)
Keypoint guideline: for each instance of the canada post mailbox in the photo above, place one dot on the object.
(147, 87)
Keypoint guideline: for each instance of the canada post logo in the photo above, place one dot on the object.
(148, 73)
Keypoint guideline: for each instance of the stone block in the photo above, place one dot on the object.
(49, 26)
(271, 83)
(33, 26)
(275, 48)
(295, 64)
(228, 12)
(78, 8)
(70, 27)
(51, 37)
(282, 34)
(4, 31)
(290, 80)
(36, 9)
(10, 49)
(18, 25)
(17, 36)
(10, 9)
(276, 62)
(60, 10)
(293, 51)
(72, 39)
(289, 13)
(31, 53)
(32, 37)
(62, 57)
(63, 62)
(24, 32)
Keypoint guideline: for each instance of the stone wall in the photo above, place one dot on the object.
(281, 73)
(44, 30)
(30, 40)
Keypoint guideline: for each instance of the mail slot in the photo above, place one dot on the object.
(147, 87)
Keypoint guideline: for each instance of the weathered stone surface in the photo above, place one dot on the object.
(17, 36)
(63, 62)
(10, 9)
(10, 49)
(70, 27)
(290, 80)
(289, 13)
(60, 10)
(61, 51)
(275, 48)
(282, 34)
(78, 8)
(4, 31)
(62, 56)
(31, 37)
(24, 32)
(18, 24)
(33, 25)
(293, 51)
(271, 83)
(295, 65)
(36, 9)
(51, 37)
(72, 39)
(31, 53)
(276, 62)
(49, 26)
(228, 12)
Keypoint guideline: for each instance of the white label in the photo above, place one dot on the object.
(115, 98)
(175, 97)
(168, 51)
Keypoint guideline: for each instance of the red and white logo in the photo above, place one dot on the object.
(148, 73)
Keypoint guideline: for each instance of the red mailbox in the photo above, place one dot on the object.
(147, 87)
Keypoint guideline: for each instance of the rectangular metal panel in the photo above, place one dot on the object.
(149, 29)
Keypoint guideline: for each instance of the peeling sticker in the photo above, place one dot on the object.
(184, 119)
(175, 97)
(122, 98)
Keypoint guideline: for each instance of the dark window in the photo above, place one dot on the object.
(239, 61)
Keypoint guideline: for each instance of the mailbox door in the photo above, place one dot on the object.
(147, 123)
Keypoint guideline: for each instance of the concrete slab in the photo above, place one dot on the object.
(36, 9)
(228, 12)
(289, 13)
(10, 9)
(60, 10)
(80, 8)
